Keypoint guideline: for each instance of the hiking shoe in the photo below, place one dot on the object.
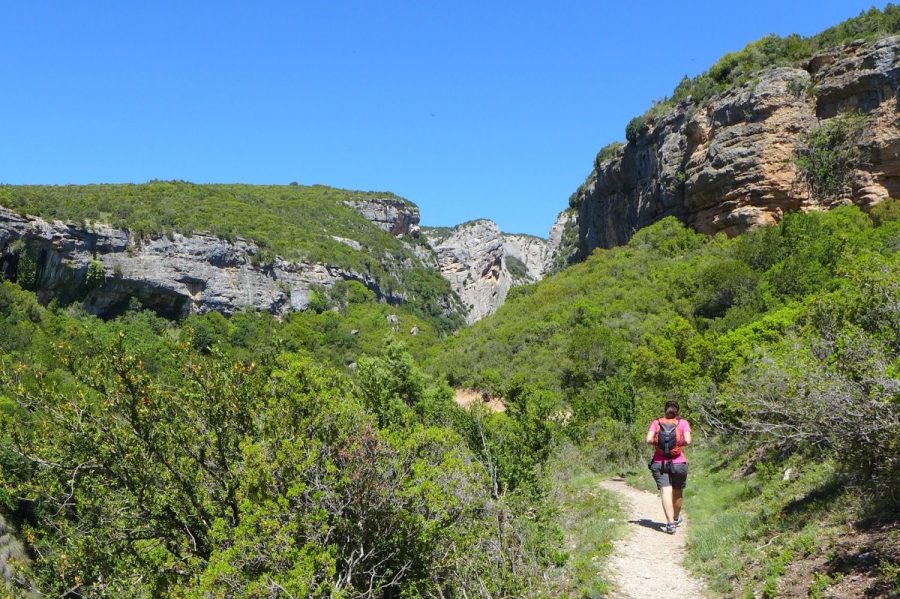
(670, 528)
(679, 520)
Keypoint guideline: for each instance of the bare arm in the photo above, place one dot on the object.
(650, 435)
(687, 437)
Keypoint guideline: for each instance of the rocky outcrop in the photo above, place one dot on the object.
(482, 264)
(562, 244)
(173, 275)
(176, 275)
(471, 259)
(14, 564)
(566, 219)
(727, 166)
(393, 215)
(528, 249)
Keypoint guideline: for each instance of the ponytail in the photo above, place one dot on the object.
(672, 409)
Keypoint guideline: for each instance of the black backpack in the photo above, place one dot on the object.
(668, 438)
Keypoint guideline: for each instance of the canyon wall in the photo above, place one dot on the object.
(729, 164)
(173, 275)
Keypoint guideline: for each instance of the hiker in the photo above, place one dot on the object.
(669, 465)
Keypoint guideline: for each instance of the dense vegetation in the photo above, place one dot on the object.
(231, 458)
(276, 217)
(736, 68)
(313, 457)
(786, 339)
(675, 313)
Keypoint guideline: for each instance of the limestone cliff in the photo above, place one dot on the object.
(471, 259)
(531, 251)
(482, 264)
(562, 246)
(393, 215)
(173, 275)
(728, 165)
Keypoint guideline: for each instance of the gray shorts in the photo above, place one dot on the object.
(675, 477)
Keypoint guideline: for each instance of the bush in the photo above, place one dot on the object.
(201, 475)
(96, 274)
(885, 212)
(669, 237)
(607, 152)
(635, 128)
(797, 400)
(827, 154)
(318, 301)
(516, 268)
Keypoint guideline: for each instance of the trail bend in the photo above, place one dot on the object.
(648, 562)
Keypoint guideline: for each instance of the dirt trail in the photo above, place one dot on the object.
(647, 562)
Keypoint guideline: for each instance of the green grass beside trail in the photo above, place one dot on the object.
(747, 528)
(591, 519)
(776, 331)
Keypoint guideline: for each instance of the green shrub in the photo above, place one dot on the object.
(96, 274)
(886, 211)
(267, 474)
(669, 237)
(516, 268)
(635, 128)
(827, 154)
(607, 152)
(28, 269)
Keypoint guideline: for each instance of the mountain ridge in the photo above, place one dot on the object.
(176, 268)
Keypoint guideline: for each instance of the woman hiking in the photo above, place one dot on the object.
(669, 465)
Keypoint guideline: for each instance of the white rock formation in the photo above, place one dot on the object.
(173, 275)
(477, 260)
(471, 258)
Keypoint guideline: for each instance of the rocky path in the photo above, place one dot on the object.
(647, 562)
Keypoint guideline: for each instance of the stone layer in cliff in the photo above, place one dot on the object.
(173, 275)
(728, 165)
(476, 258)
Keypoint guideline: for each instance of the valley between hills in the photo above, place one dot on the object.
(212, 390)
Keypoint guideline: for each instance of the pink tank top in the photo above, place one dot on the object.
(684, 427)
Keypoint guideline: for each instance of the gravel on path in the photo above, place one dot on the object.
(648, 561)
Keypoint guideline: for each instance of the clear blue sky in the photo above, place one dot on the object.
(470, 109)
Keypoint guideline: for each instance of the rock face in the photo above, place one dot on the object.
(482, 264)
(14, 559)
(173, 275)
(530, 250)
(176, 275)
(727, 165)
(566, 218)
(390, 214)
(471, 259)
(562, 245)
